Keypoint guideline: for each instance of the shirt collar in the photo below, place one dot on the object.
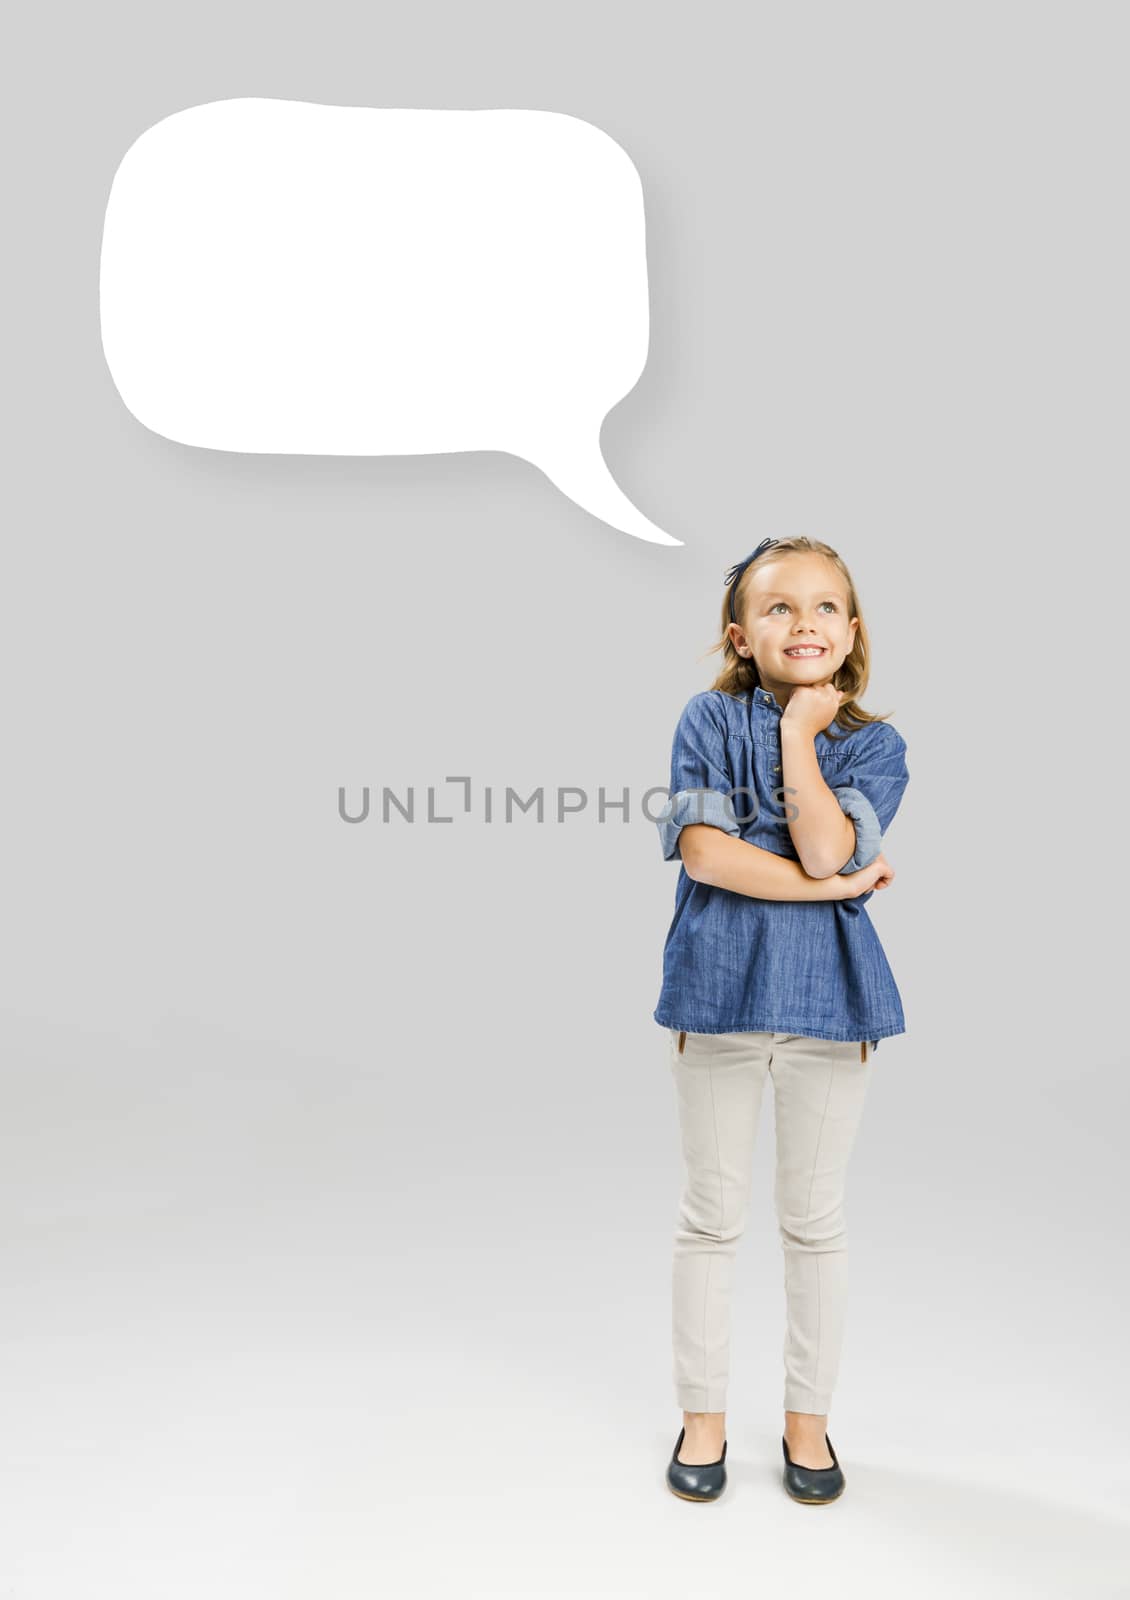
(762, 697)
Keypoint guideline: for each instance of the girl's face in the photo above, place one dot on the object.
(797, 601)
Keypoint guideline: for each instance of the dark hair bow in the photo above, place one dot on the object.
(733, 577)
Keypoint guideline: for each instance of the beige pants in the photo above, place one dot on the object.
(819, 1086)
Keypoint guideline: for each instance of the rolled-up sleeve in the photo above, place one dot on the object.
(701, 787)
(869, 789)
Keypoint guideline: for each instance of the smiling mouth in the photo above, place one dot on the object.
(803, 652)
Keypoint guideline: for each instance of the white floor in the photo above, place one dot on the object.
(141, 1464)
(250, 1352)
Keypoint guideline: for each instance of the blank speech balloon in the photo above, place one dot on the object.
(291, 278)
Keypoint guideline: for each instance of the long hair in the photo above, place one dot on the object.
(739, 674)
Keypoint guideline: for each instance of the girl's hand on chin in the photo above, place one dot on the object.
(811, 707)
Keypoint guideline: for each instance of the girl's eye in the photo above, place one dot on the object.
(784, 603)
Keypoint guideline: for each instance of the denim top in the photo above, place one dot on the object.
(733, 963)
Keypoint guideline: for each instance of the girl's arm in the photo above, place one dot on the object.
(839, 825)
(824, 836)
(725, 862)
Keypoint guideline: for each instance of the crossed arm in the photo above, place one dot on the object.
(836, 832)
(726, 862)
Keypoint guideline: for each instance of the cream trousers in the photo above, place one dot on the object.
(819, 1086)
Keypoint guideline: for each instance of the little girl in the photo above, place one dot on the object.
(782, 788)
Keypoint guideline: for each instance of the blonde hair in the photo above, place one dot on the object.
(739, 675)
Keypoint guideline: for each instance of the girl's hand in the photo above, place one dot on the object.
(811, 708)
(878, 874)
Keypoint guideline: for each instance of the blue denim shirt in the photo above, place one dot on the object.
(733, 963)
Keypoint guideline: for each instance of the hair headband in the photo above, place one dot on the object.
(734, 576)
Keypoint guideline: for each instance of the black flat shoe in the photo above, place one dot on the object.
(696, 1482)
(813, 1486)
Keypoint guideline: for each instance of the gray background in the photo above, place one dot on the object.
(339, 1163)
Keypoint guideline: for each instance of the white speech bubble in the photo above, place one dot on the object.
(290, 278)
